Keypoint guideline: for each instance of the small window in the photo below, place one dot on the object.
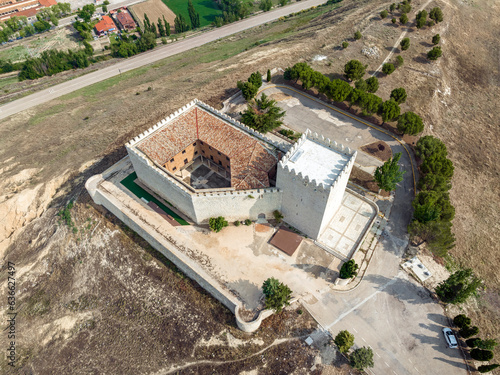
(172, 160)
(174, 169)
(203, 151)
(201, 143)
(220, 163)
(211, 157)
(185, 161)
(218, 152)
(183, 151)
(196, 152)
(194, 144)
(227, 158)
(209, 147)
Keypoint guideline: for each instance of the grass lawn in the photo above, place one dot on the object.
(14, 54)
(208, 9)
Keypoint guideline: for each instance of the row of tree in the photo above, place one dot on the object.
(128, 46)
(433, 211)
(163, 26)
(362, 96)
(232, 11)
(360, 358)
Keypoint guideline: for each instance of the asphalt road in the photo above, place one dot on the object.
(389, 312)
(149, 57)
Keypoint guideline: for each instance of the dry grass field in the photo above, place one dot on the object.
(46, 153)
(154, 9)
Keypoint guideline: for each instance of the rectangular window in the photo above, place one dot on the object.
(209, 147)
(183, 151)
(203, 151)
(172, 160)
(227, 158)
(196, 152)
(211, 157)
(185, 161)
(174, 169)
(201, 143)
(220, 163)
(218, 152)
(194, 144)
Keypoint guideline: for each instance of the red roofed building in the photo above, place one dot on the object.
(104, 26)
(125, 21)
(26, 8)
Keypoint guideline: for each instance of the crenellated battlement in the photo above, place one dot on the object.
(305, 179)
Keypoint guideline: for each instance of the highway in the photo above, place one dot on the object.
(149, 57)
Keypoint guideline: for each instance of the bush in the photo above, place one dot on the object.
(461, 285)
(434, 53)
(383, 14)
(487, 368)
(354, 70)
(481, 355)
(362, 358)
(357, 35)
(461, 321)
(372, 84)
(278, 216)
(393, 20)
(237, 223)
(345, 45)
(436, 39)
(467, 332)
(403, 19)
(248, 222)
(217, 223)
(405, 44)
(277, 294)
(349, 269)
(388, 68)
(399, 95)
(410, 123)
(344, 341)
(399, 61)
(472, 343)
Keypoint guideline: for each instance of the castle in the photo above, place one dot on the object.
(207, 165)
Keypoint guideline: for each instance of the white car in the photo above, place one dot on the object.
(450, 338)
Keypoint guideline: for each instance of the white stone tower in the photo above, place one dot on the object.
(313, 177)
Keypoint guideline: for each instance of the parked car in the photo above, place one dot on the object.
(450, 338)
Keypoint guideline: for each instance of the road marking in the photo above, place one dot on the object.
(410, 360)
(387, 364)
(378, 355)
(342, 316)
(355, 330)
(416, 369)
(363, 339)
(395, 372)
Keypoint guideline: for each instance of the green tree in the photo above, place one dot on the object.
(264, 116)
(87, 12)
(354, 70)
(147, 23)
(461, 285)
(161, 28)
(389, 110)
(349, 270)
(372, 84)
(434, 53)
(277, 295)
(399, 61)
(338, 90)
(405, 44)
(436, 14)
(471, 343)
(217, 223)
(436, 39)
(383, 14)
(283, 2)
(357, 35)
(405, 7)
(345, 45)
(410, 123)
(167, 27)
(403, 19)
(248, 90)
(344, 341)
(438, 165)
(434, 182)
(481, 355)
(399, 95)
(430, 146)
(427, 201)
(180, 24)
(354, 97)
(488, 344)
(194, 16)
(360, 84)
(265, 5)
(369, 103)
(421, 19)
(269, 76)
(255, 79)
(467, 332)
(462, 321)
(437, 234)
(392, 7)
(388, 68)
(487, 368)
(389, 174)
(362, 358)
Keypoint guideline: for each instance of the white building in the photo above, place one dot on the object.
(207, 165)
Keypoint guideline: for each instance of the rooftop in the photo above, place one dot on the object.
(318, 162)
(250, 159)
(105, 24)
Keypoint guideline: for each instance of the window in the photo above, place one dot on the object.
(172, 160)
(174, 169)
(203, 151)
(209, 147)
(211, 157)
(218, 152)
(185, 161)
(194, 144)
(201, 143)
(227, 158)
(183, 151)
(196, 152)
(220, 163)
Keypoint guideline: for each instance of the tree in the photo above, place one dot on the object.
(193, 16)
(487, 368)
(403, 19)
(104, 8)
(360, 84)
(488, 344)
(434, 182)
(357, 35)
(372, 84)
(461, 321)
(437, 234)
(345, 45)
(354, 70)
(388, 68)
(255, 79)
(161, 28)
(87, 12)
(436, 39)
(354, 97)
(217, 223)
(248, 90)
(283, 2)
(180, 24)
(405, 44)
(430, 146)
(264, 116)
(461, 285)
(369, 103)
(268, 78)
(389, 174)
(436, 14)
(405, 7)
(392, 7)
(277, 295)
(389, 110)
(421, 19)
(434, 53)
(394, 20)
(147, 23)
(362, 358)
(410, 123)
(472, 343)
(166, 26)
(383, 14)
(399, 61)
(467, 332)
(399, 95)
(481, 355)
(344, 341)
(265, 5)
(338, 90)
(349, 269)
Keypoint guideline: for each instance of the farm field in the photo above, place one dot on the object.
(154, 9)
(208, 9)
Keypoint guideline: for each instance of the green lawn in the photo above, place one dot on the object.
(208, 9)
(129, 183)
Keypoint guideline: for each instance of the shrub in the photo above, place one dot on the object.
(277, 294)
(360, 84)
(164, 41)
(410, 123)
(436, 39)
(237, 223)
(278, 216)
(357, 35)
(488, 344)
(399, 61)
(434, 53)
(393, 20)
(383, 14)
(217, 223)
(487, 368)
(399, 95)
(372, 84)
(388, 68)
(362, 358)
(345, 45)
(248, 222)
(481, 355)
(467, 332)
(269, 76)
(349, 269)
(472, 343)
(344, 341)
(403, 19)
(457, 288)
(461, 321)
(405, 44)
(354, 70)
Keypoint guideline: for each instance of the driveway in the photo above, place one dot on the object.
(388, 311)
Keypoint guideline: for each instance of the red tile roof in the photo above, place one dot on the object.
(125, 20)
(105, 24)
(250, 160)
(47, 3)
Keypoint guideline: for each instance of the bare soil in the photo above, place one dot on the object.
(379, 150)
(154, 9)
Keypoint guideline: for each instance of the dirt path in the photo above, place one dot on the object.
(403, 34)
(175, 369)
